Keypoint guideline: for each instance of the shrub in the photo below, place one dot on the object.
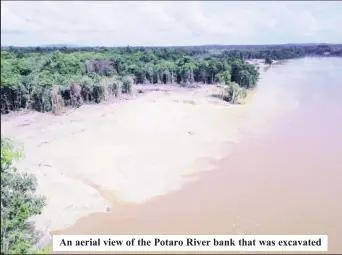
(18, 203)
(234, 92)
(127, 84)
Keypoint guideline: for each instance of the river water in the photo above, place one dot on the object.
(284, 177)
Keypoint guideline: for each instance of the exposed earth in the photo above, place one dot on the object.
(91, 158)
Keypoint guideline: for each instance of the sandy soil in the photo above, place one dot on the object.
(126, 152)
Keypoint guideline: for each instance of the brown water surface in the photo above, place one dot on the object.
(284, 177)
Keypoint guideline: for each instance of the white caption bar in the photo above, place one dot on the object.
(189, 243)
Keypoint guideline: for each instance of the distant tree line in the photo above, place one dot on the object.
(277, 51)
(286, 51)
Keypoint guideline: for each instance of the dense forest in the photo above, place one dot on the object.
(47, 78)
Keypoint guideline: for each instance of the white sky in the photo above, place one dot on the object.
(169, 23)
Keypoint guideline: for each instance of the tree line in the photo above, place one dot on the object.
(286, 52)
(252, 51)
(46, 78)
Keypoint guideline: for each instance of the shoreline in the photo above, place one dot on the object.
(57, 150)
(286, 139)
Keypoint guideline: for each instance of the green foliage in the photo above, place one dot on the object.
(45, 250)
(268, 60)
(29, 75)
(127, 84)
(234, 93)
(223, 77)
(244, 74)
(117, 87)
(18, 203)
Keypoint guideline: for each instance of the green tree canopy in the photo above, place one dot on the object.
(18, 203)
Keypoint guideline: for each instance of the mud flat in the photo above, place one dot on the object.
(93, 158)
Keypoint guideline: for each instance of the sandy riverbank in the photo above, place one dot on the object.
(282, 178)
(91, 158)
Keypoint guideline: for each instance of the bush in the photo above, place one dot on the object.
(127, 84)
(234, 93)
(117, 87)
(18, 203)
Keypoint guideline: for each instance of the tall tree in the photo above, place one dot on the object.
(18, 203)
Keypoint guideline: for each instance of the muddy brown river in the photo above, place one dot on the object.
(284, 177)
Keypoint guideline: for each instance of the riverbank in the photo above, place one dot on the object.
(281, 178)
(93, 158)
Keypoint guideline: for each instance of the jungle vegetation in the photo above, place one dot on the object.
(48, 78)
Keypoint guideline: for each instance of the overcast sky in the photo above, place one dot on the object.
(169, 23)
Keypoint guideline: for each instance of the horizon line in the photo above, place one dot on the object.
(146, 46)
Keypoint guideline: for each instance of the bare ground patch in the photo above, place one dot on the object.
(136, 149)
